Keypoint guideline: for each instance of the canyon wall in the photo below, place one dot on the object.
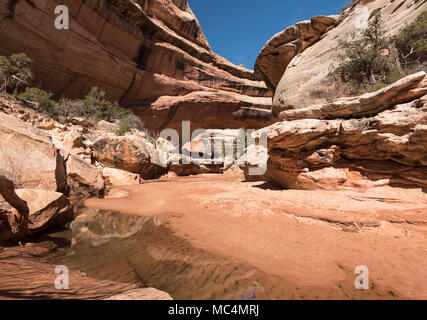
(151, 55)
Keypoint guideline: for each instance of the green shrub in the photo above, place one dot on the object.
(97, 107)
(41, 97)
(14, 72)
(412, 42)
(124, 125)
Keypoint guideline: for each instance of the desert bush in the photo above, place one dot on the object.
(14, 162)
(42, 98)
(68, 109)
(363, 63)
(14, 72)
(97, 107)
(412, 42)
(124, 125)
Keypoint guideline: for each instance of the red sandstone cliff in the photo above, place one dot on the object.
(151, 55)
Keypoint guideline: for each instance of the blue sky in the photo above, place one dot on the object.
(238, 29)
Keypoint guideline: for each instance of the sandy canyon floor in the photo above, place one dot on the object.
(216, 237)
(312, 239)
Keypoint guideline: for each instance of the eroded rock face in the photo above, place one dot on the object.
(144, 50)
(307, 79)
(383, 141)
(142, 294)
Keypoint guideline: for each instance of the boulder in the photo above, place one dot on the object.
(118, 177)
(107, 126)
(130, 153)
(73, 140)
(254, 163)
(83, 178)
(28, 157)
(47, 208)
(79, 121)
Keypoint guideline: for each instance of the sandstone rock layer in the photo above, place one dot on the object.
(375, 139)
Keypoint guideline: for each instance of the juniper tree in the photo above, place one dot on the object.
(362, 61)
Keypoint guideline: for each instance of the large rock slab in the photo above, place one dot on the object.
(26, 275)
(142, 294)
(206, 110)
(28, 157)
(83, 178)
(404, 90)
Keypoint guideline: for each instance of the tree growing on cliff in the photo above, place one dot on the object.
(363, 62)
(412, 43)
(14, 72)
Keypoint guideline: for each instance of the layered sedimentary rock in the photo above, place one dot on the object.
(302, 78)
(150, 55)
(375, 139)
